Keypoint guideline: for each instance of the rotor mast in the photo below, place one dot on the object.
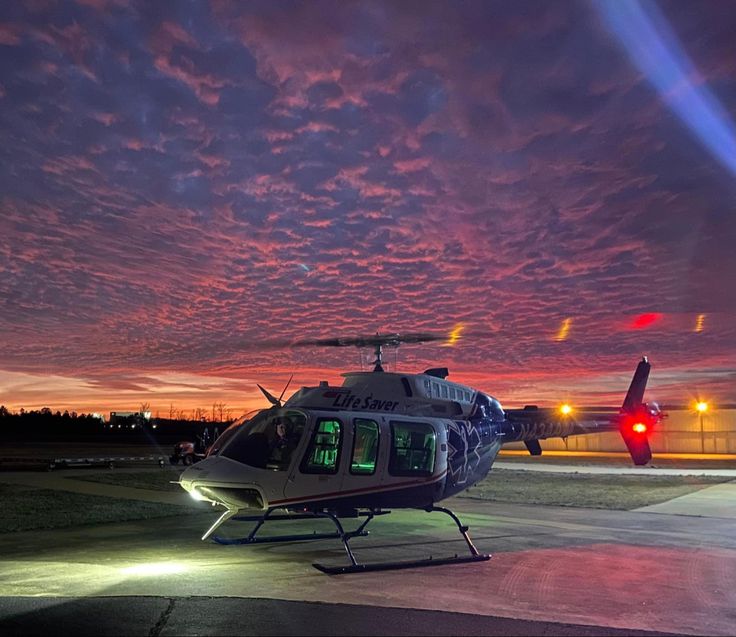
(377, 366)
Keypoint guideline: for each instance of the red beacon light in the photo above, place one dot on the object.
(639, 428)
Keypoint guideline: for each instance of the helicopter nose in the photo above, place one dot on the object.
(203, 470)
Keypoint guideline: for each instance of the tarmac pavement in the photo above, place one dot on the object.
(718, 501)
(554, 571)
(153, 616)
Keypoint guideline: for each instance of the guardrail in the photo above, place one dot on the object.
(69, 463)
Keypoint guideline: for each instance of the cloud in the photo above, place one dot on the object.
(167, 167)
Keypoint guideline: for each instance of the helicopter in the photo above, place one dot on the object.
(382, 441)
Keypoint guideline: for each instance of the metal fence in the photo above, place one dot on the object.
(683, 431)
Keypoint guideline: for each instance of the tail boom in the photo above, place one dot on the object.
(634, 421)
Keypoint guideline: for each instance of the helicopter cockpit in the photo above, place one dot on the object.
(265, 441)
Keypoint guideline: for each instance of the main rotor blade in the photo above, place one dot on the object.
(287, 387)
(272, 399)
(393, 340)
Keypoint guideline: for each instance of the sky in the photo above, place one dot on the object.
(184, 185)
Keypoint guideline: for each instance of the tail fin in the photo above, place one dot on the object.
(635, 395)
(636, 419)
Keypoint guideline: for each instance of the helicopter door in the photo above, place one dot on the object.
(362, 448)
(319, 472)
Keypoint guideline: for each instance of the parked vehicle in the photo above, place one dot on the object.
(188, 452)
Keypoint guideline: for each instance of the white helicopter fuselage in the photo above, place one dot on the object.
(382, 441)
(388, 440)
(379, 440)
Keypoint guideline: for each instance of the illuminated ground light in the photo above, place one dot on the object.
(154, 569)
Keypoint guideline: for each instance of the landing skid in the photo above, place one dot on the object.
(356, 567)
(346, 536)
(260, 520)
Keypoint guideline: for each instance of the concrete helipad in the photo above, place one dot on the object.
(554, 571)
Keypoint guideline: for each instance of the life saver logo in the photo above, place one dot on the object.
(347, 400)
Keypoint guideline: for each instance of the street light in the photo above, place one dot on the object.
(702, 407)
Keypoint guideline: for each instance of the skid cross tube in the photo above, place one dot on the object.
(356, 567)
(268, 516)
(346, 537)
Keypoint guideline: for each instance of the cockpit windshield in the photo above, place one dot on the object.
(226, 435)
(268, 440)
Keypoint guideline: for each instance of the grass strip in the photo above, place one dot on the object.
(26, 509)
(154, 480)
(596, 491)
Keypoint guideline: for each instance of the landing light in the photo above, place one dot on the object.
(197, 495)
(566, 410)
(639, 428)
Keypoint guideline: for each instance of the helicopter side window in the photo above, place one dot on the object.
(323, 453)
(365, 447)
(412, 449)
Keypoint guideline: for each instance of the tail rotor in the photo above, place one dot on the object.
(637, 418)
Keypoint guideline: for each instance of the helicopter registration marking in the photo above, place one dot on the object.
(350, 401)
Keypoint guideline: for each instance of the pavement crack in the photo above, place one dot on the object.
(161, 623)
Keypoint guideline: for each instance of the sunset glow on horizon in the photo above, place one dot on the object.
(189, 188)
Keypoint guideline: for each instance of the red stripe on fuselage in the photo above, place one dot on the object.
(388, 487)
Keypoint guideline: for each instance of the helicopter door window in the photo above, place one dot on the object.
(284, 434)
(436, 390)
(412, 449)
(323, 453)
(365, 447)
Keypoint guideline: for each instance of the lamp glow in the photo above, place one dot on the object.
(454, 336)
(566, 410)
(702, 407)
(564, 330)
(154, 569)
(639, 428)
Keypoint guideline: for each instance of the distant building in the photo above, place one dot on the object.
(130, 418)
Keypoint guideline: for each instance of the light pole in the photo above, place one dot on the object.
(702, 407)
